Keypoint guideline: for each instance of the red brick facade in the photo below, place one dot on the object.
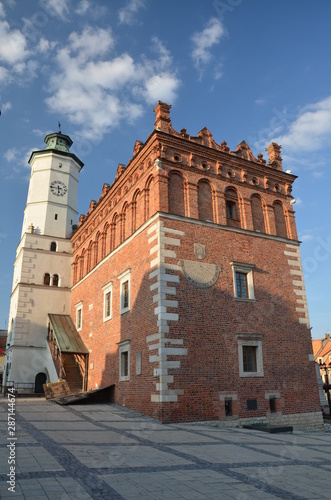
(215, 317)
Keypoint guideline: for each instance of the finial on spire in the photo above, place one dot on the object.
(60, 127)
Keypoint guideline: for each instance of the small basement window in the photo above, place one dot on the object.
(228, 407)
(272, 405)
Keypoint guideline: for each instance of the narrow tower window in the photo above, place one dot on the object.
(47, 279)
(55, 281)
(53, 246)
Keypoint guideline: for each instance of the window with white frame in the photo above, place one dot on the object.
(124, 360)
(107, 301)
(250, 357)
(243, 280)
(79, 316)
(125, 291)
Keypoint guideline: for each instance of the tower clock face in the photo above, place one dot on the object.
(58, 188)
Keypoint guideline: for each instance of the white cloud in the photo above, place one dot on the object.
(4, 76)
(127, 15)
(96, 91)
(165, 58)
(11, 154)
(38, 132)
(12, 44)
(91, 42)
(26, 71)
(44, 46)
(307, 237)
(84, 6)
(205, 40)
(311, 129)
(18, 159)
(261, 101)
(56, 8)
(6, 106)
(161, 87)
(2, 10)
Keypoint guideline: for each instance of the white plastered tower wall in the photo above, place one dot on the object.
(42, 268)
(51, 211)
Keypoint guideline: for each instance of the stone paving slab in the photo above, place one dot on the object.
(225, 453)
(105, 451)
(88, 436)
(171, 436)
(136, 425)
(136, 456)
(291, 451)
(70, 426)
(303, 480)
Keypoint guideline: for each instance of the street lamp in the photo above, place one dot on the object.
(326, 385)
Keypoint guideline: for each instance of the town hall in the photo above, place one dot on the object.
(181, 287)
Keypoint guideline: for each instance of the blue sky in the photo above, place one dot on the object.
(251, 70)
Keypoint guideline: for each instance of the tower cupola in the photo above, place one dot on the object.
(58, 141)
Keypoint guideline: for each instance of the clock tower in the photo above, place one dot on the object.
(52, 197)
(42, 268)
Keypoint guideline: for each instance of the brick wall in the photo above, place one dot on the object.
(165, 220)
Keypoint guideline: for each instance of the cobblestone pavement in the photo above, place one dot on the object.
(106, 451)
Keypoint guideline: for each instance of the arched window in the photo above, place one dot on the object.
(280, 219)
(116, 231)
(126, 222)
(176, 194)
(257, 213)
(105, 235)
(55, 280)
(134, 211)
(205, 201)
(47, 279)
(75, 270)
(232, 207)
(53, 246)
(149, 201)
(96, 249)
(89, 257)
(138, 217)
(81, 265)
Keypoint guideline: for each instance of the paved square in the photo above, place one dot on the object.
(105, 451)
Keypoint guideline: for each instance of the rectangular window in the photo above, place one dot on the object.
(107, 301)
(243, 280)
(241, 285)
(124, 360)
(125, 291)
(230, 210)
(125, 294)
(107, 304)
(79, 319)
(250, 356)
(124, 364)
(272, 405)
(79, 316)
(228, 407)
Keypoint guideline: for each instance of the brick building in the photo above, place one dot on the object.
(187, 284)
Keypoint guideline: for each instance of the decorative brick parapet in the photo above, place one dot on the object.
(163, 258)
